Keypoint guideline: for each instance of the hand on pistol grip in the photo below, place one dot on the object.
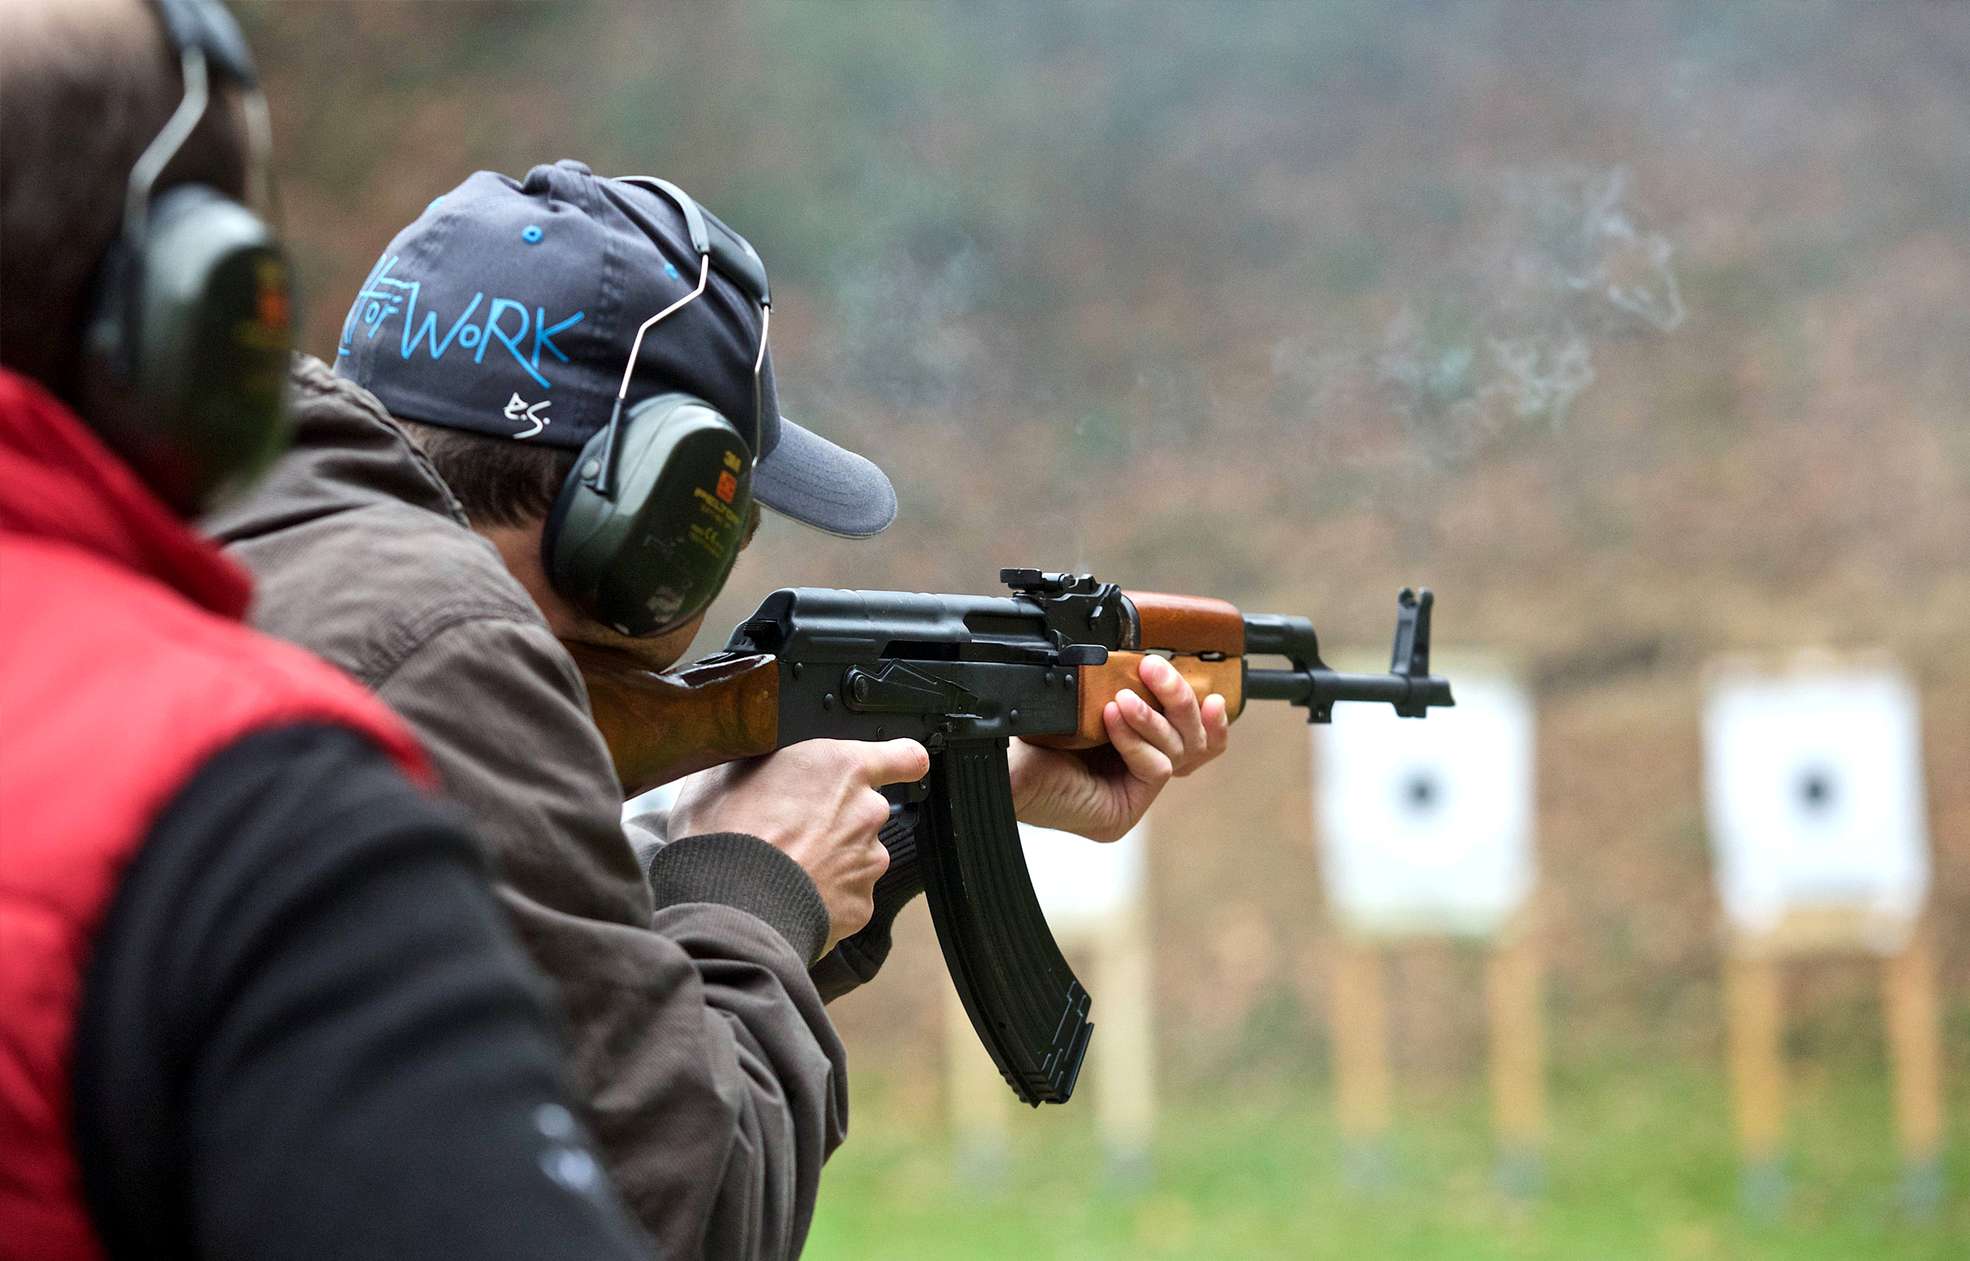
(817, 802)
(857, 958)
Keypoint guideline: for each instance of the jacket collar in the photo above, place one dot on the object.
(59, 482)
(347, 454)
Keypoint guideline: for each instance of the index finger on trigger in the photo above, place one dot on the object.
(895, 761)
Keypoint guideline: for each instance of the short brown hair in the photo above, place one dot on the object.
(83, 89)
(497, 480)
(502, 482)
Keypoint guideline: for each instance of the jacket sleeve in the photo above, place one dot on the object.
(715, 1084)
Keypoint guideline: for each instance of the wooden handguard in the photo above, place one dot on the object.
(1188, 624)
(1205, 638)
(1099, 684)
(661, 726)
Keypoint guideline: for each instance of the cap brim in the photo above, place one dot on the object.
(820, 484)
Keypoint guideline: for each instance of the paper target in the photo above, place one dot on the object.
(1084, 885)
(1427, 825)
(1813, 794)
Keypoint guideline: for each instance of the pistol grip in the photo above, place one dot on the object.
(855, 960)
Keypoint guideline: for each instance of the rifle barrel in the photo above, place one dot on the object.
(1307, 687)
(1273, 634)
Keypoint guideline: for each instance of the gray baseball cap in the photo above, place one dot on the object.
(509, 307)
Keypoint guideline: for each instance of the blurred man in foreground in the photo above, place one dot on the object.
(256, 999)
(521, 379)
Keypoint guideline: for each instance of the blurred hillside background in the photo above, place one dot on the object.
(1639, 331)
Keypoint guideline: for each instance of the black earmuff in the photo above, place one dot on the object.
(652, 551)
(653, 515)
(188, 344)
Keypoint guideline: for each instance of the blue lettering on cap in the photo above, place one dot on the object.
(383, 295)
(428, 331)
(500, 307)
(544, 336)
(378, 299)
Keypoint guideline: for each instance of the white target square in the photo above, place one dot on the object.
(1084, 886)
(1426, 825)
(1813, 796)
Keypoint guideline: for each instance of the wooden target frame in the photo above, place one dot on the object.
(1897, 932)
(1364, 1077)
(1754, 1009)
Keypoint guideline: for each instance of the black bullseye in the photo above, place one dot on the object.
(1422, 792)
(1817, 791)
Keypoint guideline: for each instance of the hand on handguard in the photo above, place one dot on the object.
(1102, 793)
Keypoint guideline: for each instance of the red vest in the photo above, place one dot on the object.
(123, 668)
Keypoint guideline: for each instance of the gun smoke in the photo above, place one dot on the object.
(1503, 346)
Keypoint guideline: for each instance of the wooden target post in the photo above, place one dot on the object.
(1361, 1055)
(1426, 830)
(1513, 989)
(1813, 795)
(1363, 1077)
(1754, 1010)
(1093, 897)
(1914, 1020)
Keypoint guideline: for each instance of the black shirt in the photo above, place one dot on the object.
(306, 1033)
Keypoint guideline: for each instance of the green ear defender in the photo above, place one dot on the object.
(189, 341)
(650, 557)
(648, 524)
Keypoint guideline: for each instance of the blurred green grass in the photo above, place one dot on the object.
(1641, 1164)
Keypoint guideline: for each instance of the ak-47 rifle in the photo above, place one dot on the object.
(963, 674)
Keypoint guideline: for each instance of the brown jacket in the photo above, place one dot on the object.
(714, 1080)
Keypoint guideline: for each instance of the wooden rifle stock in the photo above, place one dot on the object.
(663, 726)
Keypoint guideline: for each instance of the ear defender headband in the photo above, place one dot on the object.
(649, 522)
(188, 344)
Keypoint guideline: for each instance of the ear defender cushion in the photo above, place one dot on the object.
(191, 344)
(655, 554)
